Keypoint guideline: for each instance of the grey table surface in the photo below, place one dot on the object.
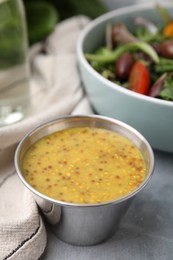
(145, 232)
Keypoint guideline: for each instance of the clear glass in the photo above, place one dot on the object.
(14, 64)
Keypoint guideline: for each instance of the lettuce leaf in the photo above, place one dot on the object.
(167, 91)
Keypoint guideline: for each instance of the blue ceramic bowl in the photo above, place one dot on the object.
(150, 116)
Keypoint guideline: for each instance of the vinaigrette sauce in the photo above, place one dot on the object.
(84, 165)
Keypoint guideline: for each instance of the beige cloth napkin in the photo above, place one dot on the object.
(57, 91)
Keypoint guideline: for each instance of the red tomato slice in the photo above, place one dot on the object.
(139, 78)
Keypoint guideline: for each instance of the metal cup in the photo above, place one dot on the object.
(84, 224)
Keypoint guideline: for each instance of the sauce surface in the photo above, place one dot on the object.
(84, 166)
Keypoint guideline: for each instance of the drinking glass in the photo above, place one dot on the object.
(14, 63)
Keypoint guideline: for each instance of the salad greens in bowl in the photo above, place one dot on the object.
(125, 59)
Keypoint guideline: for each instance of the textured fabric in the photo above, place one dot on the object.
(56, 91)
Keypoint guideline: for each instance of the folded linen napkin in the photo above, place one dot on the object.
(56, 87)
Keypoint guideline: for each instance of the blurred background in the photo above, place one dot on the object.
(43, 15)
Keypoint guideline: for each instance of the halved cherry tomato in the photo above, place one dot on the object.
(139, 78)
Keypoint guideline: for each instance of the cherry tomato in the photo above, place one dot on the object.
(139, 78)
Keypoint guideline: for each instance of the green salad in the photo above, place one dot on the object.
(140, 60)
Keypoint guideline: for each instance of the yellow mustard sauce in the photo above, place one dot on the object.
(84, 165)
